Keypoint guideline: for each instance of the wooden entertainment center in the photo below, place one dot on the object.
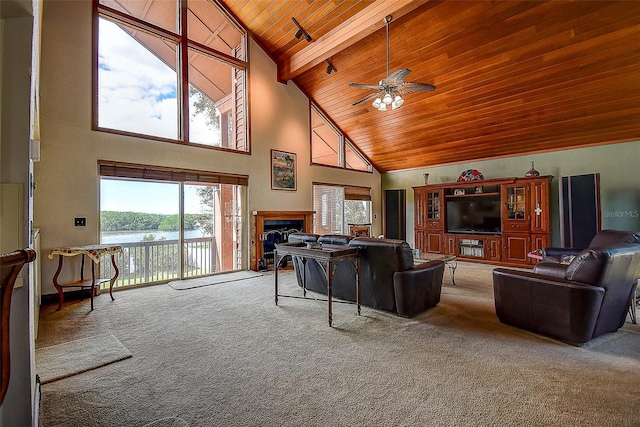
(497, 221)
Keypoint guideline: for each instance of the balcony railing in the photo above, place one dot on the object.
(158, 260)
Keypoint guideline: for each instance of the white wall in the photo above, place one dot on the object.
(67, 176)
(617, 165)
(16, 29)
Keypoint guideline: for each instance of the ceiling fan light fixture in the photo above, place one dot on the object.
(397, 102)
(390, 88)
(299, 33)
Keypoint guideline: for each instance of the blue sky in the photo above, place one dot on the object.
(148, 197)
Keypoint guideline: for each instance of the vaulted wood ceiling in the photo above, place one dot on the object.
(512, 77)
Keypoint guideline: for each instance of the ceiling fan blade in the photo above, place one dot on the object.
(397, 77)
(366, 98)
(363, 86)
(409, 87)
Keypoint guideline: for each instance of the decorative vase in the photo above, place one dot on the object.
(426, 178)
(532, 171)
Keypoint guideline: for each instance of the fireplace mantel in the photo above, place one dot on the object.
(257, 224)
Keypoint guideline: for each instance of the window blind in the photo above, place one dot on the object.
(357, 193)
(331, 213)
(328, 201)
(160, 173)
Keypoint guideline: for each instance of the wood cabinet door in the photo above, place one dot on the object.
(434, 242)
(515, 248)
(540, 207)
(494, 249)
(516, 205)
(419, 207)
(449, 244)
(421, 240)
(538, 241)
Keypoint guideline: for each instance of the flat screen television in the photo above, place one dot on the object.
(474, 215)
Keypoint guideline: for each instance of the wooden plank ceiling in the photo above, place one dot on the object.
(512, 77)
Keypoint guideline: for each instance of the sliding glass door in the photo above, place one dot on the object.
(171, 230)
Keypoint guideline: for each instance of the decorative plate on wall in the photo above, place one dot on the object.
(470, 175)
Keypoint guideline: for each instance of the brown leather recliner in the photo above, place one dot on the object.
(602, 238)
(574, 303)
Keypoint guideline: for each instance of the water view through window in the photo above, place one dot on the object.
(163, 242)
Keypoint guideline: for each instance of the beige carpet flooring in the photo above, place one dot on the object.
(225, 355)
(75, 357)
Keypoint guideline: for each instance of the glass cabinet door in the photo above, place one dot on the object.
(433, 205)
(433, 211)
(516, 205)
(516, 213)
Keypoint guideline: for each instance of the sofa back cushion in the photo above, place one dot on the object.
(379, 260)
(396, 254)
(302, 237)
(612, 237)
(587, 267)
(335, 239)
(614, 268)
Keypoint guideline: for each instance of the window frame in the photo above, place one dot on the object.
(349, 193)
(183, 45)
(343, 142)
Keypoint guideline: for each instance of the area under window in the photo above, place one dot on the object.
(184, 83)
(337, 206)
(329, 146)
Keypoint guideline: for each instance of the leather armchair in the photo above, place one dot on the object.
(575, 303)
(602, 238)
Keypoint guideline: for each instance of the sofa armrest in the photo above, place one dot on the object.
(552, 306)
(556, 254)
(418, 289)
(551, 269)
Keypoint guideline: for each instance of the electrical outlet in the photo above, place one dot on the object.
(80, 222)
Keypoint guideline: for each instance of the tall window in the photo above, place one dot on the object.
(169, 226)
(336, 207)
(171, 77)
(330, 147)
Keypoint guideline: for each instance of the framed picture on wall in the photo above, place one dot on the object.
(283, 170)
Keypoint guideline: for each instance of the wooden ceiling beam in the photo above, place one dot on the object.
(348, 33)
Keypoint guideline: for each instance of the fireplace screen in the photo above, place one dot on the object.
(277, 231)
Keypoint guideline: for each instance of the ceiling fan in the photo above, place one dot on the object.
(389, 90)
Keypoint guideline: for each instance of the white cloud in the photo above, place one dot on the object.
(137, 91)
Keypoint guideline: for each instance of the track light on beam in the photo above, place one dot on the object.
(301, 32)
(330, 67)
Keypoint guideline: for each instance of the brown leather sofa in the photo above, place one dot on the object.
(576, 302)
(388, 279)
(602, 238)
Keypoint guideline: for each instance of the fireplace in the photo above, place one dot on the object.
(271, 227)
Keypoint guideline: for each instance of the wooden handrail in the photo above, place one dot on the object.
(10, 266)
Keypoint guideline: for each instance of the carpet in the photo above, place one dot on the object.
(228, 356)
(75, 357)
(168, 422)
(181, 285)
